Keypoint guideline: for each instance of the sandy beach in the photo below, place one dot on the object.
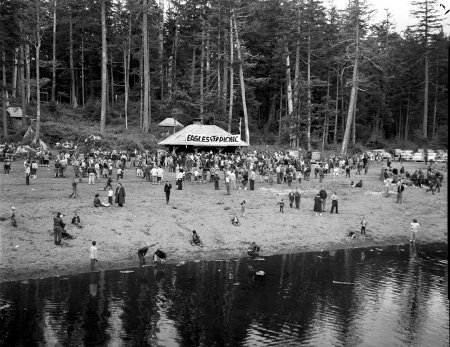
(28, 250)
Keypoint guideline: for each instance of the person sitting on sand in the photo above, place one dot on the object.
(195, 240)
(235, 221)
(253, 250)
(76, 221)
(352, 235)
(159, 257)
(352, 184)
(98, 203)
(359, 184)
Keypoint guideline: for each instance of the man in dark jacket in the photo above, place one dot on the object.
(120, 195)
(323, 196)
(58, 228)
(167, 188)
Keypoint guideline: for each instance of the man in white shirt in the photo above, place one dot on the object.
(160, 174)
(93, 255)
(154, 174)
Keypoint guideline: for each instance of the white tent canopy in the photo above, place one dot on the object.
(199, 135)
(170, 122)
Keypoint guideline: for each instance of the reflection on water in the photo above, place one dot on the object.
(395, 295)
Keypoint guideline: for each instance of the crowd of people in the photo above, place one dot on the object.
(239, 171)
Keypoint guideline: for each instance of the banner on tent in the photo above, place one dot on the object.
(212, 140)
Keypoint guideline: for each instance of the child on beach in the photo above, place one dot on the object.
(243, 206)
(414, 227)
(281, 203)
(12, 216)
(363, 225)
(110, 195)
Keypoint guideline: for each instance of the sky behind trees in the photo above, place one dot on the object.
(400, 11)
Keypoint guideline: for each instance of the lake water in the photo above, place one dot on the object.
(390, 296)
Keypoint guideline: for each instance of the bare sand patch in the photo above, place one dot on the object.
(145, 217)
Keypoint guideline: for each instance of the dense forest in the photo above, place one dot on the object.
(298, 73)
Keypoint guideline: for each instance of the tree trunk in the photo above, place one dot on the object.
(308, 131)
(241, 78)
(425, 100)
(354, 92)
(354, 124)
(73, 92)
(37, 133)
(193, 68)
(22, 87)
(408, 110)
(202, 66)
(433, 131)
(225, 71)
(281, 114)
(292, 137)
(327, 114)
(28, 72)
(126, 66)
(336, 109)
(104, 71)
(82, 73)
(5, 95)
(54, 50)
(111, 73)
(296, 96)
(146, 76)
(15, 72)
(161, 48)
(208, 59)
(230, 108)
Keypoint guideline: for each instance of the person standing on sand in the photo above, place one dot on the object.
(74, 188)
(243, 207)
(27, 175)
(281, 203)
(291, 198)
(141, 254)
(167, 188)
(227, 182)
(216, 181)
(400, 189)
(297, 199)
(387, 186)
(363, 225)
(323, 196)
(334, 202)
(12, 216)
(252, 179)
(414, 227)
(58, 227)
(93, 255)
(120, 195)
(180, 180)
(318, 205)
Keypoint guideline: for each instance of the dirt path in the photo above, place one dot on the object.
(28, 251)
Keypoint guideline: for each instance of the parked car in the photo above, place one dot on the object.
(407, 154)
(431, 156)
(418, 156)
(382, 153)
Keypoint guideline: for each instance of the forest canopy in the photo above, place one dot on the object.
(297, 73)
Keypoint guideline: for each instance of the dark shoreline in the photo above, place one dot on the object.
(26, 274)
